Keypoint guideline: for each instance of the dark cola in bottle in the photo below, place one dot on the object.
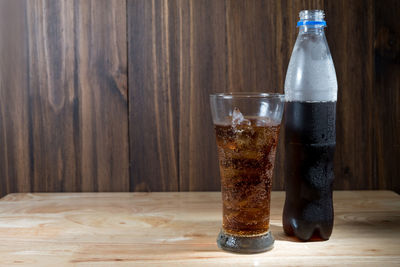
(310, 138)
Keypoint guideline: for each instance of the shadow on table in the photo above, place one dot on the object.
(279, 234)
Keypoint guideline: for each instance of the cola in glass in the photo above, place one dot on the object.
(246, 157)
(247, 128)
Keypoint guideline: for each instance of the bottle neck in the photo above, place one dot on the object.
(311, 30)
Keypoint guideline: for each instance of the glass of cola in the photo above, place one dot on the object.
(247, 129)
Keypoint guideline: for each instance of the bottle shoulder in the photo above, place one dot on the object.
(311, 74)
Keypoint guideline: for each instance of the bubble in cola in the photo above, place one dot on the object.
(310, 138)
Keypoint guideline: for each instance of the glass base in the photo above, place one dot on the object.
(245, 244)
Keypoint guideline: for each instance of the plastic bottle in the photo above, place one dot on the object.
(310, 137)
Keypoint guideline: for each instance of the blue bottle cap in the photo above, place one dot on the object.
(321, 23)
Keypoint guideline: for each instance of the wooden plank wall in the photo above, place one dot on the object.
(63, 105)
(113, 95)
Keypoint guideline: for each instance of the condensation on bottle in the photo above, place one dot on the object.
(310, 134)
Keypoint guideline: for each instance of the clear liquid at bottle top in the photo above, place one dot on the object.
(311, 75)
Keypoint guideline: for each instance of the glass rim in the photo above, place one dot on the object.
(247, 95)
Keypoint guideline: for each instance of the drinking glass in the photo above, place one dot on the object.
(247, 129)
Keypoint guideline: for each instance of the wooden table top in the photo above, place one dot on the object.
(180, 229)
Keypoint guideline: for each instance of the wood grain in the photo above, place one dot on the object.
(202, 71)
(15, 172)
(353, 57)
(170, 229)
(153, 96)
(64, 121)
(386, 119)
(72, 120)
(246, 46)
(102, 87)
(51, 90)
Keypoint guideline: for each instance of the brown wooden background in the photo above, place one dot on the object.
(112, 95)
